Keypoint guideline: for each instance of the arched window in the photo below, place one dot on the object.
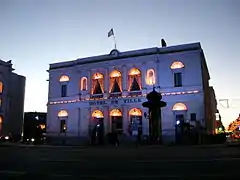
(115, 82)
(135, 112)
(150, 78)
(179, 107)
(1, 87)
(63, 113)
(97, 114)
(83, 83)
(64, 78)
(115, 112)
(177, 65)
(97, 83)
(134, 80)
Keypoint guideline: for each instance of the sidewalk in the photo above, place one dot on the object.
(9, 144)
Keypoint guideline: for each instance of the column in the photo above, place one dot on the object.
(106, 81)
(124, 79)
(89, 117)
(106, 120)
(125, 119)
(89, 83)
(143, 74)
(79, 130)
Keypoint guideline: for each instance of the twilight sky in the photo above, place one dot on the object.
(35, 33)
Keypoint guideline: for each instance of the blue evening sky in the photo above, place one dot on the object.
(35, 33)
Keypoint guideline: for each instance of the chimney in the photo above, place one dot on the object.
(163, 42)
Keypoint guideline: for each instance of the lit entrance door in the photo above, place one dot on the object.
(135, 121)
(179, 110)
(97, 129)
(179, 128)
(117, 121)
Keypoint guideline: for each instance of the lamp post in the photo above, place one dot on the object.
(154, 105)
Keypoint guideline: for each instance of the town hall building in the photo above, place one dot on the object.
(111, 88)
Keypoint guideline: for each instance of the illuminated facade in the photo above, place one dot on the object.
(12, 91)
(112, 88)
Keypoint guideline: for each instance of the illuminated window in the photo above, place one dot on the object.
(64, 78)
(134, 80)
(115, 73)
(135, 112)
(179, 107)
(97, 83)
(97, 114)
(134, 71)
(115, 82)
(98, 76)
(115, 112)
(1, 87)
(177, 65)
(63, 113)
(42, 126)
(84, 83)
(1, 122)
(150, 78)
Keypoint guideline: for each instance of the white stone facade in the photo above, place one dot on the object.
(178, 72)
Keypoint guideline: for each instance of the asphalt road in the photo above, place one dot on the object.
(119, 163)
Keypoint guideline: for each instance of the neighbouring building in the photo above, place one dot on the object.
(34, 124)
(12, 92)
(112, 87)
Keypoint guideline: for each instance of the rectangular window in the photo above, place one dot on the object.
(64, 90)
(63, 126)
(177, 79)
(193, 116)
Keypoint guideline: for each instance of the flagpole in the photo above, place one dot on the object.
(115, 44)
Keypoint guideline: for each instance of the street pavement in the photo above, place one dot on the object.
(40, 162)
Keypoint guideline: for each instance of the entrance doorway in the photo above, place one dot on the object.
(116, 121)
(179, 128)
(97, 129)
(179, 111)
(135, 121)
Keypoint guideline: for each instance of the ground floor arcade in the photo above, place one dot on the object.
(125, 119)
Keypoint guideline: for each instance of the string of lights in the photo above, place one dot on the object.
(143, 95)
(229, 103)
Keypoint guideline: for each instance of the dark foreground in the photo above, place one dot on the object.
(119, 163)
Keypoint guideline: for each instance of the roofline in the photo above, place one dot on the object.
(127, 54)
(205, 64)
